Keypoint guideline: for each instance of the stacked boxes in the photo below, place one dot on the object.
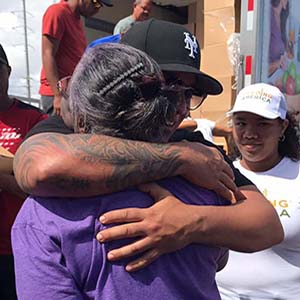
(215, 21)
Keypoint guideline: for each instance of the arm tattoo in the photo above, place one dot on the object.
(85, 164)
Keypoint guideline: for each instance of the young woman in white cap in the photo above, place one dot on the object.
(269, 156)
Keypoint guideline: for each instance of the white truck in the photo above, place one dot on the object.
(270, 47)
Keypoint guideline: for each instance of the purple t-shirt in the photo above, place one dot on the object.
(57, 255)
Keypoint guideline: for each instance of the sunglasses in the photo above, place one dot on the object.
(63, 86)
(193, 101)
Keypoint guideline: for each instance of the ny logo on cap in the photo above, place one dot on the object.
(191, 44)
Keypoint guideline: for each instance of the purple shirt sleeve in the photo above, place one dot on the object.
(40, 267)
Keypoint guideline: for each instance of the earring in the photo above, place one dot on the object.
(282, 138)
(83, 125)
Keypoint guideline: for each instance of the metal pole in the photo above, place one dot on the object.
(26, 52)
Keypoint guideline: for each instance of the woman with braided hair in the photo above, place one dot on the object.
(116, 90)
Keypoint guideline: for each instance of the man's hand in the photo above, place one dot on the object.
(56, 104)
(206, 167)
(162, 228)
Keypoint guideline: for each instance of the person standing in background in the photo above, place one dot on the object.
(16, 119)
(141, 12)
(278, 38)
(270, 157)
(63, 43)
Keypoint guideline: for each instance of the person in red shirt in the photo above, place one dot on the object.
(16, 119)
(63, 43)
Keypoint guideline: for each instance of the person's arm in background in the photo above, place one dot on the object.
(221, 130)
(49, 50)
(250, 225)
(75, 165)
(188, 124)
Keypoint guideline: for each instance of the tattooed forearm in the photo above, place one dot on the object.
(76, 165)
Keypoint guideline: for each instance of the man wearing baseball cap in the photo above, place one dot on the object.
(105, 165)
(175, 49)
(63, 43)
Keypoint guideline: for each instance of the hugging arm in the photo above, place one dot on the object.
(76, 165)
(250, 225)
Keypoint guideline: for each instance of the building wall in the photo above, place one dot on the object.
(215, 21)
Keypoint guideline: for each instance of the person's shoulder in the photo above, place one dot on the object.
(54, 124)
(125, 20)
(56, 9)
(38, 213)
(26, 106)
(122, 25)
(291, 161)
(289, 164)
(191, 136)
(107, 39)
(27, 214)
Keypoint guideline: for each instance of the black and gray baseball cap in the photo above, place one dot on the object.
(3, 57)
(174, 48)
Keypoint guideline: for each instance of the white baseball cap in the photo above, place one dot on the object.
(261, 99)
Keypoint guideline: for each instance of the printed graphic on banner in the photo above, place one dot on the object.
(284, 51)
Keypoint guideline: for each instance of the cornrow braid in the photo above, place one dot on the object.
(120, 78)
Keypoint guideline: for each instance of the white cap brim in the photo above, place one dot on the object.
(265, 114)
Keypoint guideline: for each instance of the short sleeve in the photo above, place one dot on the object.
(53, 23)
(40, 267)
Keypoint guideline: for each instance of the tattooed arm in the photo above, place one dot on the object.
(85, 165)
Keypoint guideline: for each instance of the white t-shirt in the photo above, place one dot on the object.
(273, 273)
(206, 127)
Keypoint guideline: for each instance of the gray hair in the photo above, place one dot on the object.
(138, 2)
(116, 89)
